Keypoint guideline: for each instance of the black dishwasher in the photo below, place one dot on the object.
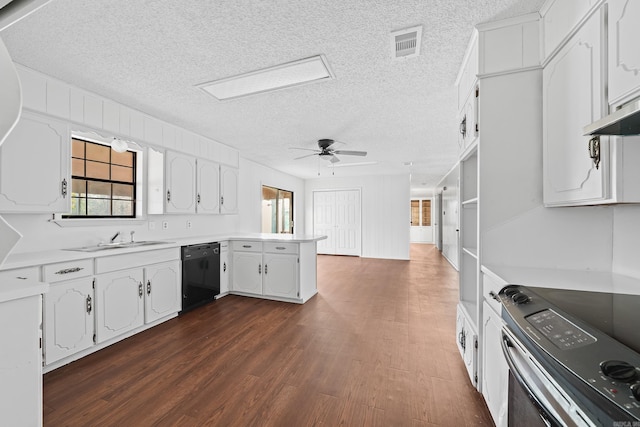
(200, 274)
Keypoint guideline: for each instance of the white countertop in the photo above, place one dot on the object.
(597, 281)
(28, 259)
(13, 289)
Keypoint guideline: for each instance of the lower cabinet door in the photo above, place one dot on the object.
(224, 271)
(495, 371)
(119, 303)
(280, 275)
(68, 318)
(162, 290)
(247, 272)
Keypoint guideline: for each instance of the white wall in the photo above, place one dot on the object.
(252, 177)
(385, 208)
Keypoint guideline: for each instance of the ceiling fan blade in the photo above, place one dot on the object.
(305, 149)
(351, 153)
(308, 155)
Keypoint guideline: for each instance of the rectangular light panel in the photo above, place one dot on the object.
(295, 73)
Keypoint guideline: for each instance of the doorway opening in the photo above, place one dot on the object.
(277, 210)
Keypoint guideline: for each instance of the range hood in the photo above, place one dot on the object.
(625, 121)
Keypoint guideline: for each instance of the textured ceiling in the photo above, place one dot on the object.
(151, 54)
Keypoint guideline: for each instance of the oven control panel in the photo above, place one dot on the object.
(573, 348)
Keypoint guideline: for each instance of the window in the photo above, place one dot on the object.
(421, 213)
(103, 182)
(277, 210)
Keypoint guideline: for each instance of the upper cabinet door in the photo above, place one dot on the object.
(624, 55)
(208, 196)
(573, 98)
(34, 166)
(229, 190)
(180, 184)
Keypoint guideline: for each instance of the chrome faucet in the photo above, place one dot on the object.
(115, 236)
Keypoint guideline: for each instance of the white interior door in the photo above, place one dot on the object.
(336, 214)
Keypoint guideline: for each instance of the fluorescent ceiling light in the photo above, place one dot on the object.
(344, 165)
(295, 73)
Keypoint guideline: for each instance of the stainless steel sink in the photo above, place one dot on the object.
(116, 245)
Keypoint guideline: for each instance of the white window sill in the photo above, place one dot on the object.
(96, 222)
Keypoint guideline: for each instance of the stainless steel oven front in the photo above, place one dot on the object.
(571, 363)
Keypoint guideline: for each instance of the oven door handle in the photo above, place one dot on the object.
(538, 394)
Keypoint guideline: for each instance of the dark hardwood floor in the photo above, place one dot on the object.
(375, 347)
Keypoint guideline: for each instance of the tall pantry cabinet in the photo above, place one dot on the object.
(499, 87)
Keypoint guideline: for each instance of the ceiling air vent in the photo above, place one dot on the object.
(406, 43)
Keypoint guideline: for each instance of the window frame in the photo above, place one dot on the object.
(62, 219)
(278, 191)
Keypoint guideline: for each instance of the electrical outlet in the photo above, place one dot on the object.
(152, 225)
(188, 224)
(165, 225)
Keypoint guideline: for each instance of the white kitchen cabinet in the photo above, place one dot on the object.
(20, 359)
(119, 303)
(624, 55)
(247, 272)
(68, 318)
(467, 340)
(280, 275)
(495, 371)
(163, 294)
(34, 166)
(224, 268)
(469, 127)
(180, 183)
(228, 190)
(208, 187)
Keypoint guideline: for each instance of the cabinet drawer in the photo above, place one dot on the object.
(136, 259)
(281, 248)
(491, 286)
(224, 246)
(246, 246)
(67, 270)
(29, 273)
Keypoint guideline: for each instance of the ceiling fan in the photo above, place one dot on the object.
(326, 152)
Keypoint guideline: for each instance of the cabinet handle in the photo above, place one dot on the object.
(247, 246)
(494, 296)
(265, 269)
(280, 248)
(224, 266)
(463, 127)
(198, 199)
(594, 150)
(259, 268)
(63, 188)
(148, 287)
(140, 292)
(168, 195)
(89, 307)
(69, 270)
(222, 200)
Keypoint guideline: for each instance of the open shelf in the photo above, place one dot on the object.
(470, 202)
(471, 251)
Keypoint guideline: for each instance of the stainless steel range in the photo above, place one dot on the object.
(574, 354)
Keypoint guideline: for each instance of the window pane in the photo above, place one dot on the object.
(98, 152)
(78, 206)
(99, 190)
(77, 167)
(97, 170)
(123, 159)
(426, 213)
(415, 212)
(77, 148)
(78, 188)
(123, 192)
(98, 207)
(122, 208)
(120, 173)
